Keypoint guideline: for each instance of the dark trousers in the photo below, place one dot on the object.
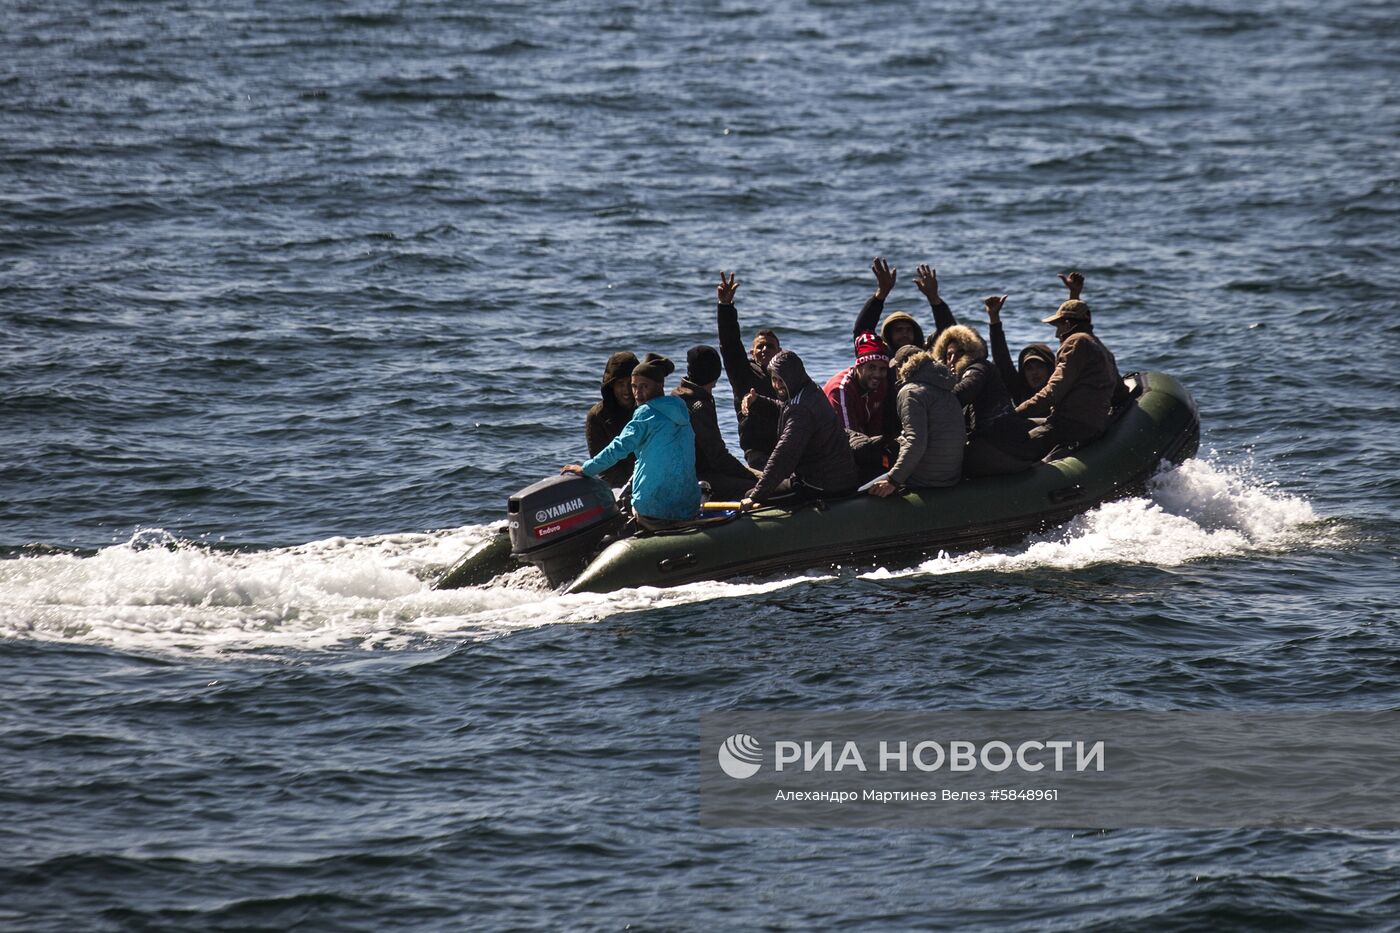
(1054, 432)
(661, 524)
(757, 457)
(792, 491)
(726, 486)
(984, 457)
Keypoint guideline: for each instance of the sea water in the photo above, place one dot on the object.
(294, 296)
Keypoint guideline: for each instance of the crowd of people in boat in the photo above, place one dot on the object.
(913, 411)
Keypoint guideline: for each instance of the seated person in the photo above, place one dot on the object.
(714, 464)
(898, 330)
(931, 435)
(748, 372)
(857, 393)
(607, 418)
(812, 458)
(862, 400)
(664, 488)
(997, 441)
(1036, 361)
(1076, 400)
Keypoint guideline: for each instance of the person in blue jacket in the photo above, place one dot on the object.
(664, 488)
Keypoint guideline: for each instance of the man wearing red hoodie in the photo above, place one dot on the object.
(860, 395)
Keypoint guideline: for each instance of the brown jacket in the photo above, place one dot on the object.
(606, 419)
(1081, 388)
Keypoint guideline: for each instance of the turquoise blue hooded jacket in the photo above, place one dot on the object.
(660, 436)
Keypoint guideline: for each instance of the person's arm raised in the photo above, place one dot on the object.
(869, 317)
(1001, 353)
(926, 281)
(731, 343)
(726, 288)
(1074, 282)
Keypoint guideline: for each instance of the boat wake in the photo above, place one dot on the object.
(1198, 510)
(155, 594)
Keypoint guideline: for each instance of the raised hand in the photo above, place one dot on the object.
(884, 277)
(926, 281)
(726, 288)
(1074, 282)
(992, 304)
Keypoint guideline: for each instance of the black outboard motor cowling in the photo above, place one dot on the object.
(559, 523)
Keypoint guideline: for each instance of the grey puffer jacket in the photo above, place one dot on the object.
(932, 432)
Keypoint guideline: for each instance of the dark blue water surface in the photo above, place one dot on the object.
(292, 295)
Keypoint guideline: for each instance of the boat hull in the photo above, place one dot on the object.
(1161, 425)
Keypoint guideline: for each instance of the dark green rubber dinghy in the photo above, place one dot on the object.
(1159, 425)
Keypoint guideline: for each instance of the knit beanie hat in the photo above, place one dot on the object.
(870, 348)
(702, 365)
(655, 367)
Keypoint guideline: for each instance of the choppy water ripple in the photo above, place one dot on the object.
(291, 298)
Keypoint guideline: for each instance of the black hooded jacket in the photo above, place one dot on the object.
(607, 418)
(812, 445)
(759, 431)
(1011, 376)
(714, 464)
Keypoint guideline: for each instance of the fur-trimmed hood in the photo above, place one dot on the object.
(971, 346)
(923, 368)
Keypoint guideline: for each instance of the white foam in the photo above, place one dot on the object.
(151, 594)
(1195, 511)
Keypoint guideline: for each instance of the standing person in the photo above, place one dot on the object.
(607, 418)
(1077, 398)
(900, 329)
(931, 426)
(862, 397)
(748, 372)
(997, 441)
(664, 488)
(714, 464)
(812, 458)
(1034, 365)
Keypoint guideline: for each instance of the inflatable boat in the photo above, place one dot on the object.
(570, 526)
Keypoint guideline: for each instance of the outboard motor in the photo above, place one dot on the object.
(559, 523)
